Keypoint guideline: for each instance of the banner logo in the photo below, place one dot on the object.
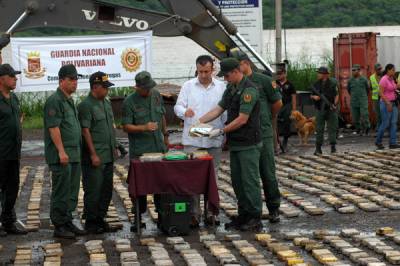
(35, 69)
(131, 59)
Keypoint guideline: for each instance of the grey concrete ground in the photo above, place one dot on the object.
(304, 224)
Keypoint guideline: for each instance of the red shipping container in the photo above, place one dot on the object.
(350, 49)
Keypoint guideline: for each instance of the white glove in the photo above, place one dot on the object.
(215, 133)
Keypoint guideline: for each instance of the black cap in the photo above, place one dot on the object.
(100, 78)
(143, 80)
(280, 70)
(239, 55)
(6, 69)
(68, 71)
(227, 65)
(323, 70)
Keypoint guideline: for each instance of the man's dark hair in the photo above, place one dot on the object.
(204, 59)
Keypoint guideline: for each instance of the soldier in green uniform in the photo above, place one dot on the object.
(98, 150)
(144, 121)
(325, 87)
(62, 140)
(270, 104)
(358, 88)
(241, 100)
(10, 149)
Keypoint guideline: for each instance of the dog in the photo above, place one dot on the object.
(305, 126)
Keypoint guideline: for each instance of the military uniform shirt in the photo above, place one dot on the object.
(248, 100)
(287, 90)
(268, 96)
(138, 110)
(358, 88)
(329, 89)
(10, 128)
(97, 116)
(60, 111)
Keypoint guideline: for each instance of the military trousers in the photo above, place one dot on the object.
(98, 187)
(64, 192)
(331, 118)
(359, 113)
(245, 177)
(9, 186)
(267, 173)
(377, 110)
(284, 121)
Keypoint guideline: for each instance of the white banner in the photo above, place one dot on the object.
(121, 56)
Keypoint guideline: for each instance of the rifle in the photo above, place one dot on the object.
(325, 100)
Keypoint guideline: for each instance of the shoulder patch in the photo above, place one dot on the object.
(247, 98)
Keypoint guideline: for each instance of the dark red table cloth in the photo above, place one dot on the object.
(188, 177)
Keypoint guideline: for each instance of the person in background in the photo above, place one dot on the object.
(10, 149)
(374, 82)
(326, 111)
(198, 96)
(144, 121)
(388, 108)
(289, 100)
(358, 88)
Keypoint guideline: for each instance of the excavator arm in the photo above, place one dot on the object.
(199, 20)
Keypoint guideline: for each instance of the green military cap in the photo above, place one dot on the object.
(100, 78)
(239, 55)
(68, 71)
(323, 70)
(227, 65)
(143, 80)
(377, 66)
(356, 67)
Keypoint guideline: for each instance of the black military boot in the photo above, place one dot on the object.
(235, 223)
(333, 148)
(318, 150)
(2, 232)
(285, 142)
(12, 229)
(63, 232)
(273, 216)
(252, 224)
(76, 230)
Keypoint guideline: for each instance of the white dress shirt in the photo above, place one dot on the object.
(201, 100)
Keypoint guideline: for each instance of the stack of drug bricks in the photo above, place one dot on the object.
(53, 253)
(96, 253)
(127, 256)
(33, 219)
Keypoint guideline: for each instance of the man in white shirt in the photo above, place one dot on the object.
(196, 98)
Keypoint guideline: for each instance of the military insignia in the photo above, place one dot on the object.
(52, 112)
(131, 59)
(35, 70)
(247, 98)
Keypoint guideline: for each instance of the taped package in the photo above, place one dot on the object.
(200, 130)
